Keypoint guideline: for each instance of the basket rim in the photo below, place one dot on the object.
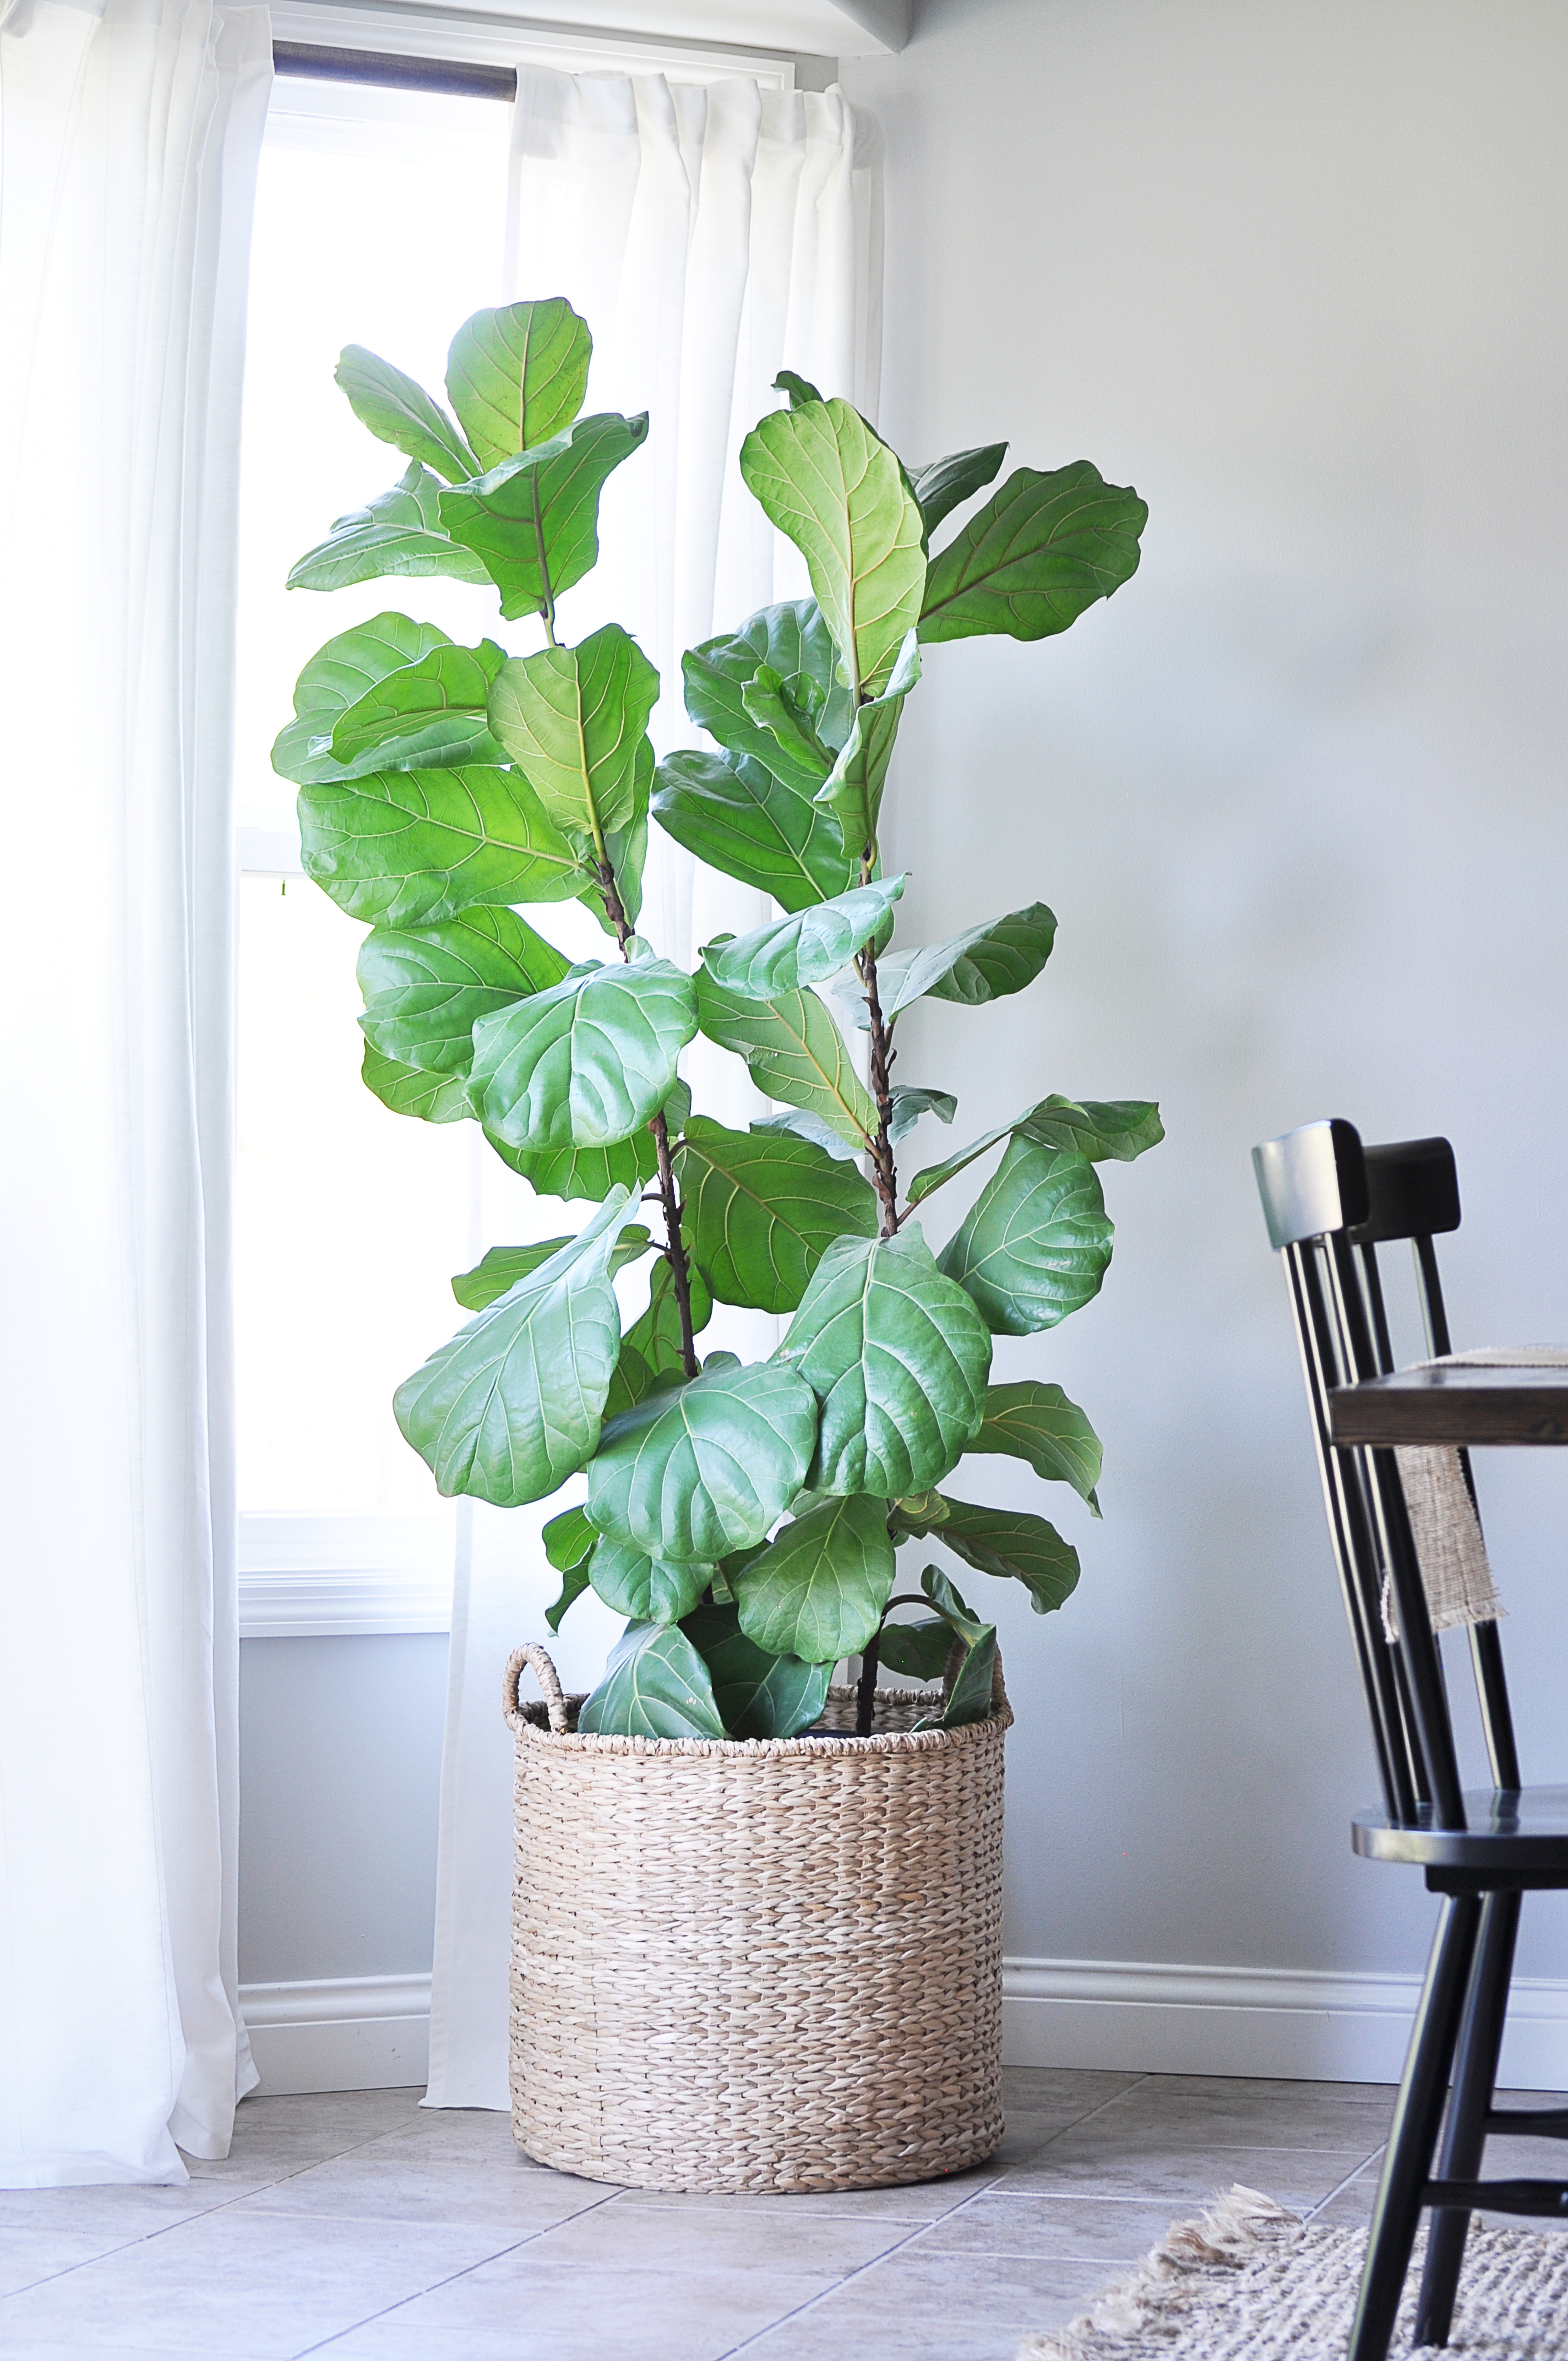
(529, 1733)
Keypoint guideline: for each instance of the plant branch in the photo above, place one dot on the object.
(674, 1250)
(884, 1172)
(865, 1687)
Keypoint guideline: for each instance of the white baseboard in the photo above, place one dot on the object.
(372, 2033)
(358, 2033)
(1307, 2025)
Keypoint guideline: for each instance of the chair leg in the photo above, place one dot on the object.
(1417, 2114)
(1465, 2135)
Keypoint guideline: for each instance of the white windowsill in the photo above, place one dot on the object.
(344, 1577)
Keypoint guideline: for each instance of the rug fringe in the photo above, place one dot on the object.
(1238, 2226)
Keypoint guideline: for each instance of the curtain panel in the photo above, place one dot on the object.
(129, 135)
(710, 237)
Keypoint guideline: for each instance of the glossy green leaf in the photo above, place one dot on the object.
(918, 1651)
(758, 1694)
(897, 1358)
(655, 1686)
(578, 1172)
(502, 1268)
(1040, 551)
(784, 660)
(398, 533)
(799, 389)
(794, 1050)
(761, 1209)
(795, 1123)
(649, 1589)
(516, 376)
(853, 789)
(532, 521)
(1102, 1130)
(817, 1591)
(412, 848)
(406, 1089)
(512, 1405)
(426, 988)
(746, 823)
(968, 1699)
(587, 1062)
(839, 494)
(575, 721)
(999, 956)
(946, 484)
(400, 412)
(1038, 1423)
(1038, 1241)
(336, 677)
(705, 1468)
(910, 1103)
(804, 948)
(426, 715)
(572, 1585)
(1008, 1541)
(569, 1540)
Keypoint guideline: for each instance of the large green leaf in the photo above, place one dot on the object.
(398, 409)
(761, 1209)
(569, 1541)
(789, 645)
(918, 1651)
(575, 721)
(794, 1050)
(1040, 551)
(407, 1089)
(399, 531)
(1103, 1129)
(587, 1062)
(897, 1356)
(649, 1589)
(572, 1585)
(758, 1694)
(655, 1686)
(534, 520)
(426, 988)
(999, 956)
(910, 1102)
(336, 677)
(968, 1699)
(804, 948)
(1009, 1541)
(819, 1590)
(578, 1172)
(501, 1269)
(705, 1468)
(427, 714)
(412, 848)
(517, 376)
(1036, 1244)
(947, 483)
(512, 1405)
(741, 819)
(852, 791)
(1037, 1423)
(838, 491)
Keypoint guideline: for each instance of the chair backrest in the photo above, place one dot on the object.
(1330, 1203)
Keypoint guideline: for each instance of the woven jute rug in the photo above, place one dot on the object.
(1247, 2282)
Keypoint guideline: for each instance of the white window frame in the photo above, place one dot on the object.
(317, 1577)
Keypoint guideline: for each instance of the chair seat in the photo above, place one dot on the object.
(1522, 1830)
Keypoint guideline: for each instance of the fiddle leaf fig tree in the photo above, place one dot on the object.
(744, 1518)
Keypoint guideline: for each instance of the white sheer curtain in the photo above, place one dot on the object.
(711, 236)
(129, 133)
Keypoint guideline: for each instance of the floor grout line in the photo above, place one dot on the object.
(1370, 2158)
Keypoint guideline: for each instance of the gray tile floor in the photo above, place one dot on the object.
(354, 2224)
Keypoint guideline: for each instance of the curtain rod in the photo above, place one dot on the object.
(449, 76)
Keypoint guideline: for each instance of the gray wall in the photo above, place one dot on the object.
(340, 1773)
(1296, 796)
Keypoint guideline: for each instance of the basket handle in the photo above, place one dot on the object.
(535, 1659)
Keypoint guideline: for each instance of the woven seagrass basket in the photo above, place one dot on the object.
(767, 1964)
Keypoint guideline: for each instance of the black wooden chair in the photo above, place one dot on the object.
(1330, 1203)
